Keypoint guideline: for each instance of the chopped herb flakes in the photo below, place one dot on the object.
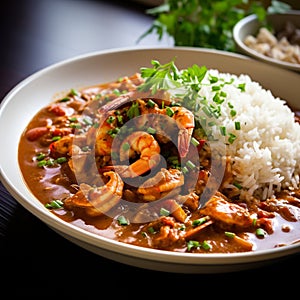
(205, 245)
(122, 220)
(55, 204)
(187, 84)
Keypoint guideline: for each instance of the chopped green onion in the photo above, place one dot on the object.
(110, 119)
(184, 170)
(200, 221)
(242, 87)
(114, 155)
(66, 99)
(233, 112)
(151, 103)
(122, 220)
(133, 111)
(116, 92)
(61, 160)
(88, 121)
(173, 160)
(192, 244)
(144, 234)
(75, 125)
(120, 119)
(151, 130)
(182, 227)
(72, 119)
(223, 130)
(232, 138)
(237, 125)
(195, 142)
(236, 184)
(230, 105)
(113, 132)
(42, 163)
(74, 92)
(151, 230)
(230, 234)
(223, 94)
(85, 148)
(190, 164)
(215, 88)
(164, 212)
(50, 162)
(126, 146)
(54, 204)
(169, 111)
(213, 79)
(98, 96)
(207, 111)
(206, 245)
(260, 232)
(56, 138)
(41, 156)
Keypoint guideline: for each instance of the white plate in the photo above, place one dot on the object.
(22, 102)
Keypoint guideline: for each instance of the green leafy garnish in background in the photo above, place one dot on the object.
(203, 23)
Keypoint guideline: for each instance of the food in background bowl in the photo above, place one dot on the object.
(283, 45)
(191, 160)
(275, 41)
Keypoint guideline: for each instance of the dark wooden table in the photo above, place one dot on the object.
(34, 259)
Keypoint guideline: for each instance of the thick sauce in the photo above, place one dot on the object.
(71, 158)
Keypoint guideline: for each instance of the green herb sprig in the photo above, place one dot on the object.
(184, 87)
(208, 24)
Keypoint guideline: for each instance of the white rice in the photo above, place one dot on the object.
(266, 152)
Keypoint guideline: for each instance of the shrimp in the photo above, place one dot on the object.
(162, 183)
(185, 121)
(97, 201)
(62, 146)
(101, 137)
(145, 146)
(183, 117)
(218, 208)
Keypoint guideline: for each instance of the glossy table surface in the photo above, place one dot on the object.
(35, 34)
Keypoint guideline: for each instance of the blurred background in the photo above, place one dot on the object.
(41, 32)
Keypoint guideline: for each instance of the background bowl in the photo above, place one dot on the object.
(250, 26)
(40, 89)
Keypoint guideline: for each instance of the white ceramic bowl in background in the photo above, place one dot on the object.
(39, 89)
(250, 26)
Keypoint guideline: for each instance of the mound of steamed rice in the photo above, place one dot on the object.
(266, 152)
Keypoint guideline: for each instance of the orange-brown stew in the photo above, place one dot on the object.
(132, 183)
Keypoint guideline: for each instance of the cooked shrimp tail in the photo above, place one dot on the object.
(185, 122)
(184, 139)
(105, 197)
(99, 200)
(116, 103)
(140, 144)
(138, 168)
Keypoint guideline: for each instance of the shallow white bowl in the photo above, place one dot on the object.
(30, 95)
(250, 26)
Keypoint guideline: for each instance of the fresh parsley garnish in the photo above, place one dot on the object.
(203, 23)
(184, 87)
